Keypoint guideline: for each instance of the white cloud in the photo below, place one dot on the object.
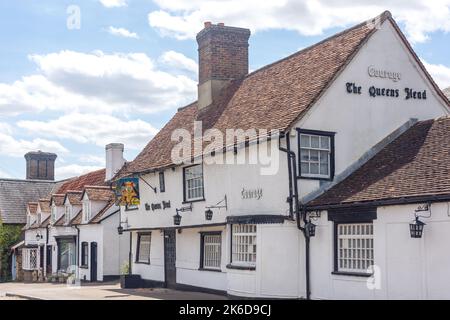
(73, 170)
(74, 81)
(183, 19)
(10, 146)
(113, 3)
(93, 128)
(440, 74)
(92, 159)
(122, 32)
(179, 61)
(5, 175)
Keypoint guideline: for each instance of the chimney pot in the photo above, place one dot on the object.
(208, 24)
(40, 165)
(114, 159)
(221, 24)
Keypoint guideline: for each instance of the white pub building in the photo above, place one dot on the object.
(361, 152)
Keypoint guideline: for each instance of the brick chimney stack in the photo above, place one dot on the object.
(40, 165)
(223, 56)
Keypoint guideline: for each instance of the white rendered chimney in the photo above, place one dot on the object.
(114, 159)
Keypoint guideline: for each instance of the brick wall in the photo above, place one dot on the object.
(223, 52)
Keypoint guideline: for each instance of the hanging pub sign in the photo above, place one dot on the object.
(127, 192)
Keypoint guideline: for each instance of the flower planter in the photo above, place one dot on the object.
(130, 281)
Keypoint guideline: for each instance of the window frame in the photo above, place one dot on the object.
(202, 251)
(84, 255)
(138, 247)
(319, 133)
(53, 214)
(86, 213)
(67, 213)
(242, 265)
(162, 182)
(202, 198)
(336, 270)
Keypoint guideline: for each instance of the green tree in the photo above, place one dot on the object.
(9, 235)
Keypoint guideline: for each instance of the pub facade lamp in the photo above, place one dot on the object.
(219, 205)
(177, 219)
(310, 229)
(39, 237)
(120, 229)
(208, 214)
(416, 228)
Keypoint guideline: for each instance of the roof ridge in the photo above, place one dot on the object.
(386, 14)
(96, 187)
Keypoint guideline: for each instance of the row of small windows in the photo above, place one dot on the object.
(354, 247)
(243, 247)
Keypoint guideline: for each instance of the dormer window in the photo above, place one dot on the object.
(86, 210)
(53, 218)
(68, 213)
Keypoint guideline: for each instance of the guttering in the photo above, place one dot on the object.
(384, 202)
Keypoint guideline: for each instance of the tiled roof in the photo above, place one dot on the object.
(97, 193)
(44, 204)
(32, 207)
(273, 97)
(60, 221)
(74, 197)
(94, 178)
(45, 223)
(415, 164)
(16, 194)
(58, 199)
(77, 219)
(99, 216)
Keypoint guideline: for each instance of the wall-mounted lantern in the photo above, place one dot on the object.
(208, 214)
(120, 228)
(39, 237)
(310, 229)
(218, 205)
(177, 219)
(416, 228)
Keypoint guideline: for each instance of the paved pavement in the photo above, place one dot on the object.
(98, 291)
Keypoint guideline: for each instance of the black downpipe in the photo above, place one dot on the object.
(130, 259)
(291, 197)
(78, 251)
(292, 168)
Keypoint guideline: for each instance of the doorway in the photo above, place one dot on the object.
(93, 261)
(170, 253)
(49, 260)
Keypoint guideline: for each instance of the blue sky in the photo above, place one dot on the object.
(121, 75)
